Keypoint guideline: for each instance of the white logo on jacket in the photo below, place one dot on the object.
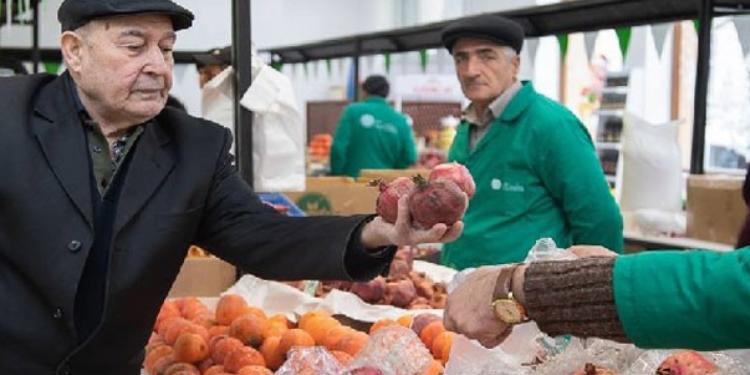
(510, 187)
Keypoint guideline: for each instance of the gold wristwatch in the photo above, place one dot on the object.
(506, 308)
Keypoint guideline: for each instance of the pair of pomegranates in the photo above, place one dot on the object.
(439, 198)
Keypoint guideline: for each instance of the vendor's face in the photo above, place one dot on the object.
(125, 65)
(485, 69)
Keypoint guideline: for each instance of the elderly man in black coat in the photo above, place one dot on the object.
(103, 189)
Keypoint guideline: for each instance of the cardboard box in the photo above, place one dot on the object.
(335, 196)
(203, 277)
(715, 208)
(389, 175)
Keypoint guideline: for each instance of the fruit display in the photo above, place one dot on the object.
(686, 362)
(439, 198)
(189, 338)
(403, 288)
(320, 145)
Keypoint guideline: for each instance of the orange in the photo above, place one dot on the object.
(245, 356)
(293, 338)
(229, 308)
(430, 332)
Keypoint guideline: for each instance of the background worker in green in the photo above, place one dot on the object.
(534, 163)
(372, 135)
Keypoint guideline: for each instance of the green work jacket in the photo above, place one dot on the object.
(698, 300)
(537, 175)
(372, 135)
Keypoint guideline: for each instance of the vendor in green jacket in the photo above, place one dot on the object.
(535, 167)
(372, 135)
(659, 299)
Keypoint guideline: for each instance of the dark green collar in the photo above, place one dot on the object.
(519, 103)
(375, 99)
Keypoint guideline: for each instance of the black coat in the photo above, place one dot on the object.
(180, 189)
(743, 239)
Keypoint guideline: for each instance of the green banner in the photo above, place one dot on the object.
(563, 40)
(697, 25)
(329, 67)
(623, 37)
(52, 67)
(423, 59)
(387, 62)
(277, 65)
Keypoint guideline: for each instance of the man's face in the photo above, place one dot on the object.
(208, 72)
(126, 65)
(483, 68)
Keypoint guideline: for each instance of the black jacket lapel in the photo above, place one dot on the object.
(152, 161)
(60, 134)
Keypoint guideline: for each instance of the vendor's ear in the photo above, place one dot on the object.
(71, 45)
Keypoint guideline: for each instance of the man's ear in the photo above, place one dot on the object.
(71, 45)
(516, 62)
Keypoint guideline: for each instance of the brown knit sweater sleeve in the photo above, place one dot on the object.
(573, 297)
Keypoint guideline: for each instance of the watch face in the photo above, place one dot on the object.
(507, 311)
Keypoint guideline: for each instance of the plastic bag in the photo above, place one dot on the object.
(728, 363)
(310, 361)
(645, 167)
(602, 353)
(546, 249)
(394, 350)
(468, 357)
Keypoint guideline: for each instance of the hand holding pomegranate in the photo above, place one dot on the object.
(421, 210)
(379, 233)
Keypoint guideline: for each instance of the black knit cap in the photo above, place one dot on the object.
(376, 85)
(76, 13)
(498, 29)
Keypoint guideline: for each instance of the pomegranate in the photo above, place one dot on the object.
(457, 173)
(387, 203)
(371, 291)
(422, 320)
(439, 201)
(399, 269)
(400, 293)
(686, 362)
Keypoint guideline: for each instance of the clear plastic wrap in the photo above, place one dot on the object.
(546, 249)
(602, 353)
(468, 357)
(729, 363)
(395, 350)
(310, 361)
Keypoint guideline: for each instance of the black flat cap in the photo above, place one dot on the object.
(216, 56)
(501, 30)
(76, 13)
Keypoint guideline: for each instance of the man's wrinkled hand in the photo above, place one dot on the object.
(590, 251)
(468, 310)
(378, 232)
